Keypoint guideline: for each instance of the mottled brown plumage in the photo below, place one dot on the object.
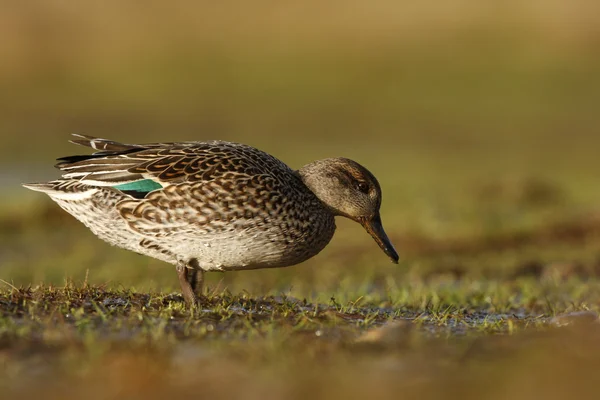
(213, 205)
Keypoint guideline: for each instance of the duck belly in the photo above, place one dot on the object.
(251, 248)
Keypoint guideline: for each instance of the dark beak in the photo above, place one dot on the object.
(375, 228)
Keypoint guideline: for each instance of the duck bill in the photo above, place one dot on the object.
(375, 228)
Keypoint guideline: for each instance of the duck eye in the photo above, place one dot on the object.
(363, 187)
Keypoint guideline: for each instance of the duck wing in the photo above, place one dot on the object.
(164, 163)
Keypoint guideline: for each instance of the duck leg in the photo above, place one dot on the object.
(183, 273)
(196, 280)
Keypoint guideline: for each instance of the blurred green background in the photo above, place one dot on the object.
(480, 120)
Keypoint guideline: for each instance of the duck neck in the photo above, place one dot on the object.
(314, 176)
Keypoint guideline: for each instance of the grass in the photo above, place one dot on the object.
(86, 340)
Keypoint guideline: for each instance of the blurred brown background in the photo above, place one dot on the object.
(478, 118)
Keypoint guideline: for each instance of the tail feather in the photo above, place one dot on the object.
(63, 189)
(39, 187)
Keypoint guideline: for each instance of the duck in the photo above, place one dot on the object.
(213, 205)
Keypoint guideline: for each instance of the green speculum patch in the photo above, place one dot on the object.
(138, 189)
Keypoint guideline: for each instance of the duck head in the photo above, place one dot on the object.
(348, 189)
